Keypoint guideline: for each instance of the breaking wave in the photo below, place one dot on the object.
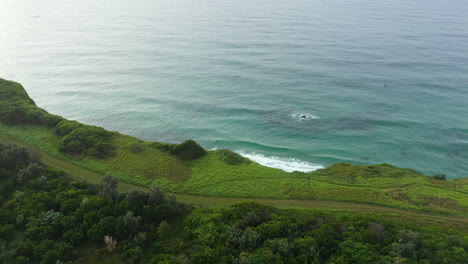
(303, 116)
(285, 164)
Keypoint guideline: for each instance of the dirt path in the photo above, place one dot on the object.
(220, 201)
(94, 177)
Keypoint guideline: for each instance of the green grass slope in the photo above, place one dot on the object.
(132, 161)
(377, 184)
(185, 168)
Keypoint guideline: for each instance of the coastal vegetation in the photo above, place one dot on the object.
(47, 216)
(187, 150)
(189, 169)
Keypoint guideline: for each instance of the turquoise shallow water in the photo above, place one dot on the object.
(378, 81)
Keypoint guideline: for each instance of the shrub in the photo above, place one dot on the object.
(12, 113)
(188, 150)
(66, 127)
(232, 158)
(440, 176)
(88, 140)
(16, 107)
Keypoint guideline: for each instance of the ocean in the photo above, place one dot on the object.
(297, 84)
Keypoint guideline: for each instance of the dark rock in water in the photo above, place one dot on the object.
(303, 116)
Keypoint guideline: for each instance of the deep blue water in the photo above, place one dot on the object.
(377, 81)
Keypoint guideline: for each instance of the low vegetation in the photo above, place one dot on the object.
(187, 150)
(17, 107)
(88, 140)
(188, 168)
(232, 158)
(48, 217)
(440, 176)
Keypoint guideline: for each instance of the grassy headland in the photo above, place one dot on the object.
(188, 169)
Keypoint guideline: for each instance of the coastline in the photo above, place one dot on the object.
(222, 173)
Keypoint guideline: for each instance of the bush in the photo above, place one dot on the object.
(188, 150)
(88, 140)
(16, 107)
(66, 127)
(440, 176)
(14, 114)
(232, 158)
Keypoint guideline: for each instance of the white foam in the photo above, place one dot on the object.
(304, 116)
(286, 164)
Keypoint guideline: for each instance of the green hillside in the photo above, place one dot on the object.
(48, 217)
(188, 169)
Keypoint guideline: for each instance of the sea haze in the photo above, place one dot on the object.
(295, 84)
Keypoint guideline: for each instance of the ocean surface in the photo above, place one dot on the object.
(297, 84)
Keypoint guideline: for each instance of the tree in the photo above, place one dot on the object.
(13, 157)
(164, 230)
(249, 240)
(132, 223)
(108, 187)
(354, 252)
(407, 244)
(28, 173)
(281, 246)
(39, 233)
(106, 226)
(265, 256)
(73, 236)
(156, 195)
(234, 235)
(136, 198)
